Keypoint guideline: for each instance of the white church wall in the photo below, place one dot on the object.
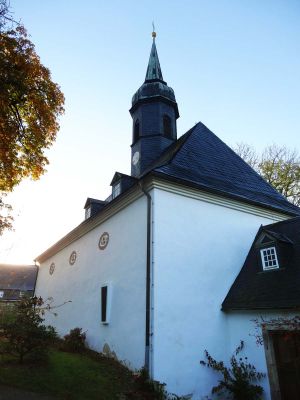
(199, 248)
(122, 265)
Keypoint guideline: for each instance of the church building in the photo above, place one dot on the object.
(155, 272)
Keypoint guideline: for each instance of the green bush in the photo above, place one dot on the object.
(23, 334)
(74, 341)
(237, 382)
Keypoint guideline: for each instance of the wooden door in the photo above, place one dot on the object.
(287, 354)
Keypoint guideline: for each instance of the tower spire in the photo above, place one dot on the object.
(153, 70)
(154, 113)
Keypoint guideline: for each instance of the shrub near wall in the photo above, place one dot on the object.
(74, 341)
(23, 334)
(238, 381)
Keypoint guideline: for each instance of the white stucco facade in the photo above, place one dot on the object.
(199, 248)
(122, 265)
(199, 243)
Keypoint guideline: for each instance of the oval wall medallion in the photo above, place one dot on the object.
(72, 258)
(51, 268)
(103, 241)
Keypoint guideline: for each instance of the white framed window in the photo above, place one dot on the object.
(269, 258)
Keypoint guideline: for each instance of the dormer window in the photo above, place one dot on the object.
(87, 212)
(92, 207)
(269, 258)
(116, 190)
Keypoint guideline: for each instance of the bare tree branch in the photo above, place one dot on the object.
(278, 165)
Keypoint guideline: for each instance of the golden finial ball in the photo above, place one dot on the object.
(154, 34)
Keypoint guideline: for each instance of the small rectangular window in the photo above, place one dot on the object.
(103, 303)
(1, 294)
(269, 258)
(106, 295)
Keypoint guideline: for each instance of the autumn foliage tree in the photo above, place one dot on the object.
(30, 104)
(278, 165)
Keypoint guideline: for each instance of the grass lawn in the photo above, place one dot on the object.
(72, 376)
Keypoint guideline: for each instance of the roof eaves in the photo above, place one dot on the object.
(279, 223)
(219, 192)
(257, 307)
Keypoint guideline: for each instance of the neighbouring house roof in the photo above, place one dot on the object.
(199, 158)
(277, 288)
(16, 278)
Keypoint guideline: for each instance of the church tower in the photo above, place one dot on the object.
(154, 113)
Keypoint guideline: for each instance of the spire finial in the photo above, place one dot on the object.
(153, 31)
(153, 70)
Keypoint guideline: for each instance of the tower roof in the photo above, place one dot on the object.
(154, 88)
(153, 69)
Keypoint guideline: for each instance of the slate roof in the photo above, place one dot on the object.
(16, 278)
(199, 158)
(272, 289)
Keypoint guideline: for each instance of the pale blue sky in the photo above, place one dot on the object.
(234, 65)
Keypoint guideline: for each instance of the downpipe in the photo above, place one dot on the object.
(148, 282)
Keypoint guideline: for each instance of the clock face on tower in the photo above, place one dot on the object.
(135, 158)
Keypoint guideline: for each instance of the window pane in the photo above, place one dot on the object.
(269, 258)
(103, 303)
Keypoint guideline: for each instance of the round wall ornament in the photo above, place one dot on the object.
(72, 258)
(103, 241)
(51, 268)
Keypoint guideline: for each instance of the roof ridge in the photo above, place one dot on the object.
(186, 136)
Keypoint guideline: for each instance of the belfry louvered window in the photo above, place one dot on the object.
(136, 131)
(167, 127)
